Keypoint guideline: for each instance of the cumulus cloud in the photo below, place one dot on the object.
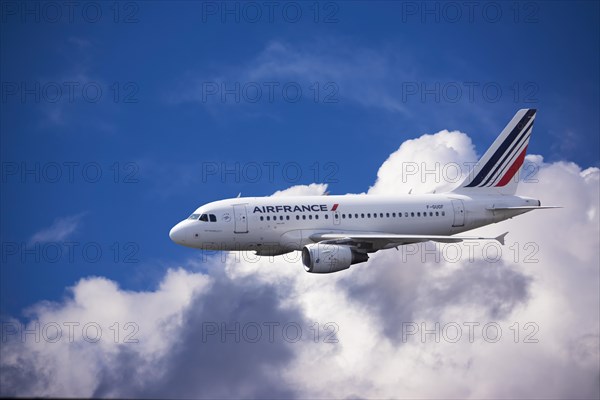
(61, 229)
(70, 343)
(431, 162)
(427, 321)
(314, 189)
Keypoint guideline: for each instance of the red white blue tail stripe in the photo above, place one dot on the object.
(503, 160)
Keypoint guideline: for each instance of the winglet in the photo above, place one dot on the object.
(501, 238)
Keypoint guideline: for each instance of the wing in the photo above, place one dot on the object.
(524, 208)
(377, 241)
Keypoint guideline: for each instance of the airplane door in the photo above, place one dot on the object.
(336, 217)
(240, 219)
(459, 213)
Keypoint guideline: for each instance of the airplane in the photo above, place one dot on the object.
(335, 232)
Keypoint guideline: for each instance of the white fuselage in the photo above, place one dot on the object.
(335, 232)
(276, 225)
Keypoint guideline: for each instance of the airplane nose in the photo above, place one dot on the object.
(177, 234)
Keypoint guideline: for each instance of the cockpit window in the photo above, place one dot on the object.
(204, 217)
(194, 216)
(213, 218)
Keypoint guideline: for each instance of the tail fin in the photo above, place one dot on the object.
(495, 172)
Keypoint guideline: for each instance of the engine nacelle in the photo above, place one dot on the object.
(327, 258)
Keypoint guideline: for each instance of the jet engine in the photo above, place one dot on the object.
(321, 258)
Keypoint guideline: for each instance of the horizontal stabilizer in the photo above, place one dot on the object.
(500, 238)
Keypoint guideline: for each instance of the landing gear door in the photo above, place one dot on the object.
(459, 213)
(240, 219)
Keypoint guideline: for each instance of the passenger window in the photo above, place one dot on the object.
(412, 214)
(381, 215)
(213, 218)
(431, 213)
(393, 215)
(204, 217)
(268, 218)
(387, 215)
(437, 213)
(326, 216)
(297, 217)
(262, 218)
(443, 213)
(368, 215)
(374, 215)
(336, 216)
(304, 217)
(343, 216)
(362, 215)
(287, 217)
(355, 215)
(310, 217)
(350, 216)
(317, 216)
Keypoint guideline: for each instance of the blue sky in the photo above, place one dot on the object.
(394, 74)
(371, 75)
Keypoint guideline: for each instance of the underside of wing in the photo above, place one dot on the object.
(526, 208)
(377, 241)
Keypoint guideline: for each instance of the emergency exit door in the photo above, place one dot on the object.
(459, 213)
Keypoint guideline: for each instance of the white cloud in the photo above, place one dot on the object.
(547, 276)
(71, 366)
(61, 229)
(314, 189)
(336, 62)
(431, 162)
